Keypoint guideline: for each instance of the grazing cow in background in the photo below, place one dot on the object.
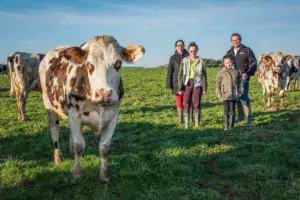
(81, 84)
(294, 64)
(3, 70)
(24, 77)
(272, 73)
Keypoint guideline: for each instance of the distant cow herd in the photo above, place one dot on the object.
(83, 84)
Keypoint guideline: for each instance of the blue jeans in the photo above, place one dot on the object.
(245, 101)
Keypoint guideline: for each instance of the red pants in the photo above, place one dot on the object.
(179, 101)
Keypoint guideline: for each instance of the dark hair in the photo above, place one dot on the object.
(193, 44)
(236, 34)
(179, 41)
(227, 57)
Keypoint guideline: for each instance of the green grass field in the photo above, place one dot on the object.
(151, 156)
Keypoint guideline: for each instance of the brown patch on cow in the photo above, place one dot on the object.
(57, 70)
(77, 106)
(86, 114)
(91, 68)
(70, 69)
(74, 54)
(72, 82)
(18, 67)
(81, 88)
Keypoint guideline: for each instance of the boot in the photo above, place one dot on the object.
(180, 115)
(240, 111)
(197, 119)
(192, 115)
(226, 123)
(186, 120)
(231, 121)
(247, 111)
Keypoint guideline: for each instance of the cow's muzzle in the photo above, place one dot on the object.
(103, 96)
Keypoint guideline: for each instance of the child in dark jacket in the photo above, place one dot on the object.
(228, 89)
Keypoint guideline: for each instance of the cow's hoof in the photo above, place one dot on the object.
(104, 179)
(76, 175)
(21, 118)
(281, 107)
(57, 157)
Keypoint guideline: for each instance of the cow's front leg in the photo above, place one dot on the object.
(78, 140)
(269, 97)
(54, 129)
(281, 96)
(104, 146)
(21, 103)
(263, 92)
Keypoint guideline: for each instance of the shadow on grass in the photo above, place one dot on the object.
(163, 108)
(243, 163)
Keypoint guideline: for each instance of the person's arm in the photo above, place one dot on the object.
(180, 77)
(204, 79)
(239, 79)
(252, 63)
(218, 84)
(169, 84)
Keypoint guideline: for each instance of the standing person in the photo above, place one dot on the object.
(192, 81)
(228, 90)
(172, 77)
(244, 59)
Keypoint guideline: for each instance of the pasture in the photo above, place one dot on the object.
(151, 156)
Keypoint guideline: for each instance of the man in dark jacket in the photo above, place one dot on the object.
(172, 77)
(244, 59)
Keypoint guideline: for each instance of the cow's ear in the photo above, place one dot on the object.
(132, 53)
(287, 57)
(268, 58)
(74, 54)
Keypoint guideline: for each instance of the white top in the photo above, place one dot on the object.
(235, 51)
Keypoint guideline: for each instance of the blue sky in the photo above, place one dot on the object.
(38, 26)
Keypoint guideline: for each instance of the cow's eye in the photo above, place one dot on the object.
(118, 65)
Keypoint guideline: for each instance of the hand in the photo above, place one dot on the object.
(239, 95)
(180, 92)
(244, 76)
(204, 92)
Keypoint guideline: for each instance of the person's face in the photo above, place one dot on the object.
(179, 47)
(193, 51)
(235, 41)
(228, 63)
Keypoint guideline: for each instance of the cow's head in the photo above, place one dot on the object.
(276, 61)
(103, 60)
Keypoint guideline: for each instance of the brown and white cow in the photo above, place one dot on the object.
(24, 77)
(273, 73)
(294, 64)
(81, 84)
